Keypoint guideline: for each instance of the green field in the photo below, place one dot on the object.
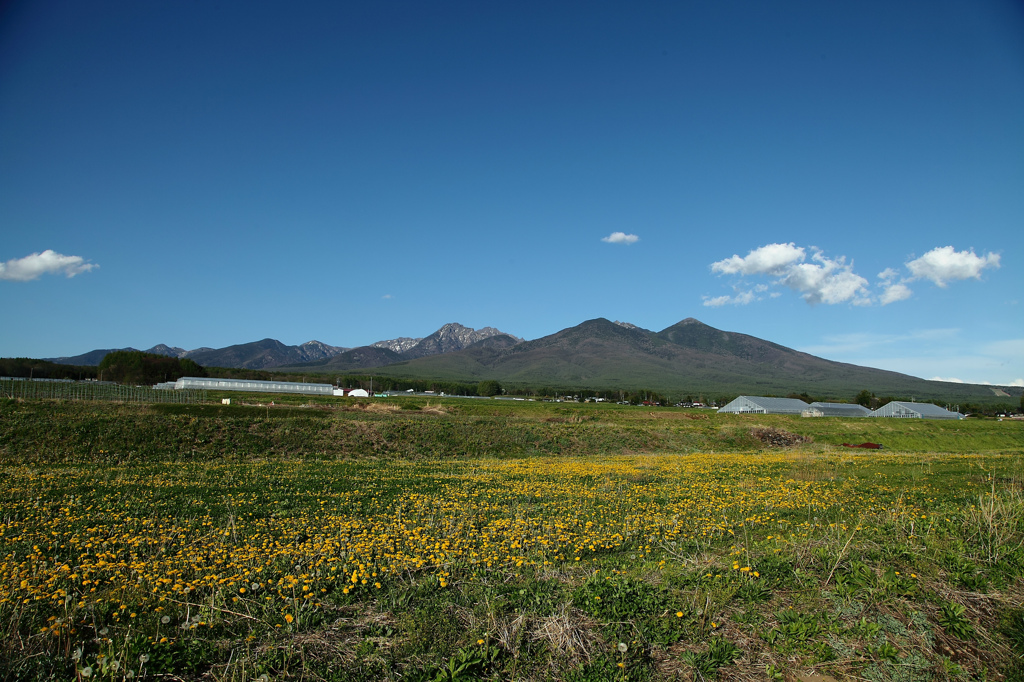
(447, 540)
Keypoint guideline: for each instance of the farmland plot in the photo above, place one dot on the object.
(652, 566)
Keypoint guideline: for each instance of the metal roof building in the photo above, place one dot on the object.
(751, 404)
(253, 385)
(818, 409)
(905, 410)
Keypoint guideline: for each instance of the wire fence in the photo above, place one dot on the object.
(93, 390)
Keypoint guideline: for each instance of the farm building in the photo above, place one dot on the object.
(352, 392)
(749, 404)
(904, 410)
(836, 410)
(253, 385)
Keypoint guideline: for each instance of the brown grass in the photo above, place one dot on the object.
(570, 633)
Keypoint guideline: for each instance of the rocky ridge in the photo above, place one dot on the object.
(270, 353)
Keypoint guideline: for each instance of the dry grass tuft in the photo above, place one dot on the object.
(434, 409)
(679, 416)
(380, 407)
(509, 633)
(992, 527)
(569, 633)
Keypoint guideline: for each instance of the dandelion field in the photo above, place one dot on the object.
(639, 564)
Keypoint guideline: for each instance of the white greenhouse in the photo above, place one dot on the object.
(750, 404)
(253, 385)
(818, 409)
(904, 410)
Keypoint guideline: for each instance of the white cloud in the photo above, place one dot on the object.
(895, 292)
(943, 263)
(741, 298)
(387, 296)
(824, 280)
(831, 280)
(953, 380)
(48, 262)
(717, 301)
(888, 275)
(772, 259)
(621, 238)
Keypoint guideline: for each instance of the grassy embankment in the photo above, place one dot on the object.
(414, 428)
(481, 539)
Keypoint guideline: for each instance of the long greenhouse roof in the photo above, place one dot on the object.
(924, 409)
(256, 385)
(776, 405)
(258, 382)
(842, 409)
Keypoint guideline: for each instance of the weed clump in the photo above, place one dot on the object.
(778, 438)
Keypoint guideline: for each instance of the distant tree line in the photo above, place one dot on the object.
(247, 374)
(633, 396)
(139, 369)
(392, 384)
(43, 369)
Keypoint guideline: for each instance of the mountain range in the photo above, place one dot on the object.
(270, 353)
(687, 357)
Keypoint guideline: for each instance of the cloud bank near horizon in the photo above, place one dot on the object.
(48, 262)
(919, 352)
(821, 279)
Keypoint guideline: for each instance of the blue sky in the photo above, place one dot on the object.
(844, 178)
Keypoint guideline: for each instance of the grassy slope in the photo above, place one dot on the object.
(37, 431)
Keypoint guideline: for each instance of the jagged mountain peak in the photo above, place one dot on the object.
(399, 345)
(450, 338)
(321, 345)
(453, 327)
(170, 351)
(318, 350)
